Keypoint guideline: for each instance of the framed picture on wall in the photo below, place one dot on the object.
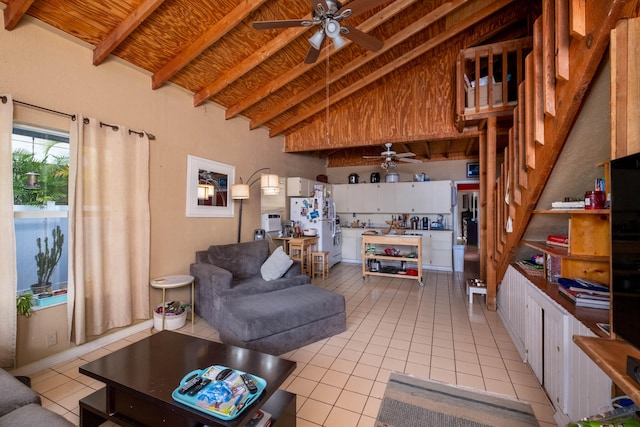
(207, 188)
(473, 170)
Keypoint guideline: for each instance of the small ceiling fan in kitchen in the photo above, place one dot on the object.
(328, 15)
(391, 157)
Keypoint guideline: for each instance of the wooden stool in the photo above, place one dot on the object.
(320, 264)
(297, 253)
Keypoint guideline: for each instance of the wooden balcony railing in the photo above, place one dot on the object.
(487, 80)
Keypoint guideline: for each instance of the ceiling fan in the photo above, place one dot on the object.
(328, 14)
(390, 157)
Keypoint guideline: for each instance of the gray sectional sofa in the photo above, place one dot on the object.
(273, 316)
(20, 406)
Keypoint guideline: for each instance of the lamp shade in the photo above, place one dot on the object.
(316, 39)
(338, 42)
(270, 183)
(240, 191)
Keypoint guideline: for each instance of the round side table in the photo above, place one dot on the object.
(174, 281)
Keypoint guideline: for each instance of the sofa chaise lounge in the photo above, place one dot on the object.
(272, 316)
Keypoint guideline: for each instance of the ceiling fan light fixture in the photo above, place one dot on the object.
(316, 39)
(338, 42)
(332, 28)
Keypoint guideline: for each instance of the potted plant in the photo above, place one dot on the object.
(47, 259)
(24, 303)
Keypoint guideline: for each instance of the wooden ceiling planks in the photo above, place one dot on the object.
(210, 48)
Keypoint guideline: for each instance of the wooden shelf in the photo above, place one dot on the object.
(611, 356)
(573, 211)
(561, 252)
(589, 317)
(391, 240)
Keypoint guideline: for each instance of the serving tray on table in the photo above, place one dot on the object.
(225, 399)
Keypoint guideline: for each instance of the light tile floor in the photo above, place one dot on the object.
(392, 325)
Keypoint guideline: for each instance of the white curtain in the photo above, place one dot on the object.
(109, 227)
(8, 269)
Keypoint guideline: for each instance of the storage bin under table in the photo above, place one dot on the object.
(170, 282)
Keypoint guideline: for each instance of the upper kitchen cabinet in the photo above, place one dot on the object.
(393, 198)
(347, 197)
(301, 187)
(424, 197)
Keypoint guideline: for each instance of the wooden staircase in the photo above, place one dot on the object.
(569, 43)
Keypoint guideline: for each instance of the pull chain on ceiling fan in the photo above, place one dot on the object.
(328, 14)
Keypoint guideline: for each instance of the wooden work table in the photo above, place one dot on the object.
(370, 241)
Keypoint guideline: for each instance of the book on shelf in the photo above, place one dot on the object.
(558, 240)
(568, 205)
(582, 296)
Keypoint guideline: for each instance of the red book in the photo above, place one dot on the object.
(558, 240)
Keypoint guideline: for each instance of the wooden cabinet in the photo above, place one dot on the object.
(373, 198)
(347, 197)
(437, 249)
(406, 244)
(351, 245)
(301, 187)
(393, 198)
(587, 256)
(541, 327)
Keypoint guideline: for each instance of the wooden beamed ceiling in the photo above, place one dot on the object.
(211, 49)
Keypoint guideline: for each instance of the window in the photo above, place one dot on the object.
(40, 189)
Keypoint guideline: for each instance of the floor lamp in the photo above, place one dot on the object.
(269, 184)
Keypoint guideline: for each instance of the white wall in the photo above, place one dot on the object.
(39, 66)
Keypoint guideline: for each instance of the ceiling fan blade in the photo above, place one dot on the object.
(312, 55)
(323, 6)
(405, 159)
(373, 157)
(361, 6)
(362, 38)
(286, 23)
(405, 155)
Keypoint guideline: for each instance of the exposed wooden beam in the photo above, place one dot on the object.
(389, 43)
(396, 63)
(248, 64)
(261, 93)
(14, 12)
(212, 35)
(427, 150)
(122, 31)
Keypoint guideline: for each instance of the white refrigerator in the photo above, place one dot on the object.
(320, 213)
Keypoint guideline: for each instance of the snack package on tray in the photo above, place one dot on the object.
(223, 398)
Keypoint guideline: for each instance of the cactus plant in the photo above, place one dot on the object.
(48, 259)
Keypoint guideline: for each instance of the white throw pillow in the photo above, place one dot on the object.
(276, 265)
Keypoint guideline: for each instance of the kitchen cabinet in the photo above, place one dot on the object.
(408, 244)
(437, 249)
(301, 187)
(347, 197)
(393, 198)
(373, 198)
(352, 244)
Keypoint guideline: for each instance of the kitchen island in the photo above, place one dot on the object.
(410, 251)
(437, 246)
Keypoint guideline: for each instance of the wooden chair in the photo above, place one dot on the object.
(320, 264)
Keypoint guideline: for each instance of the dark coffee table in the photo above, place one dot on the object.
(141, 377)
